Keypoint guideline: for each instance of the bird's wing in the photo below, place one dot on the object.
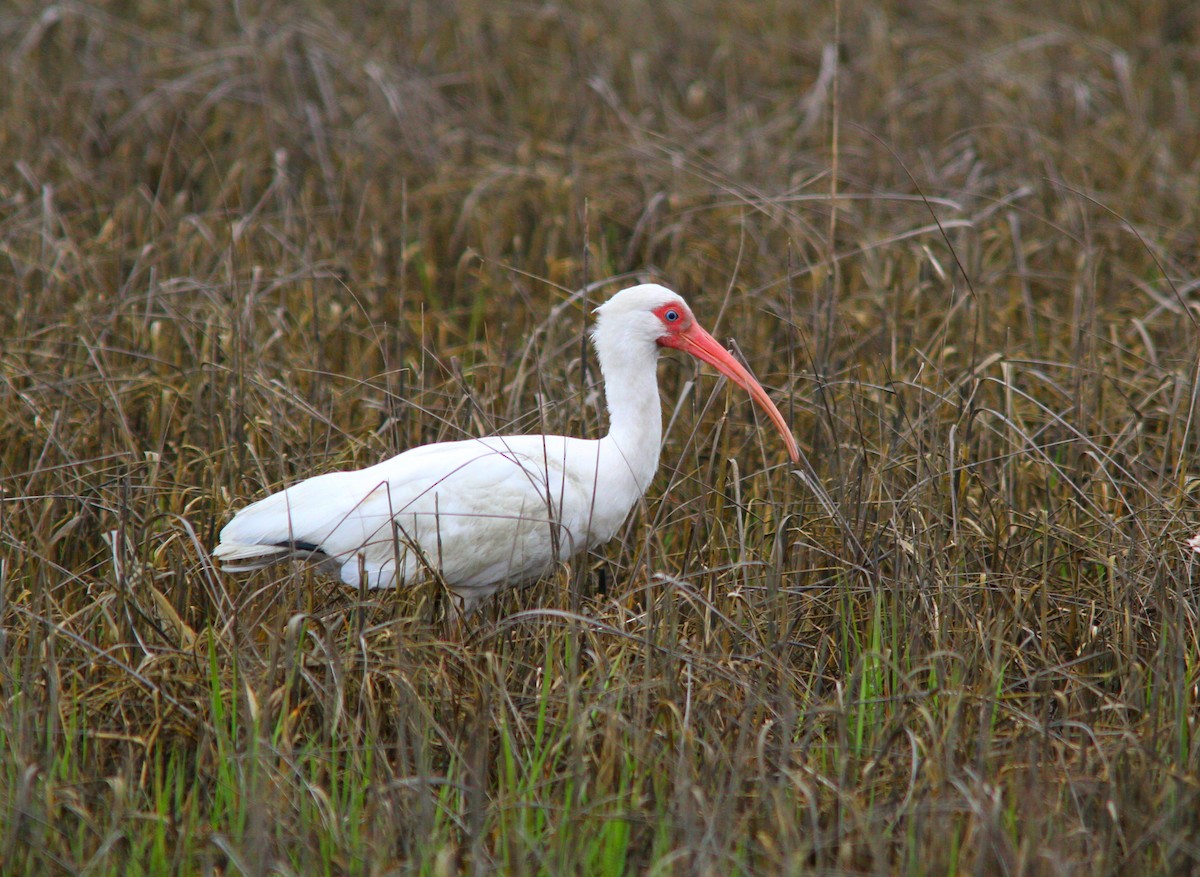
(480, 512)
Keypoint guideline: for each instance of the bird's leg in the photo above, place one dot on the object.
(456, 616)
(362, 594)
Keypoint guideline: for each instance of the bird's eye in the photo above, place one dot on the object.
(671, 316)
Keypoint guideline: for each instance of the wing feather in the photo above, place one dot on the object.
(479, 512)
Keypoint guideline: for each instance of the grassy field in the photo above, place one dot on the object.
(242, 243)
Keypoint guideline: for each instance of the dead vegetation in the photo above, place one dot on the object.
(242, 243)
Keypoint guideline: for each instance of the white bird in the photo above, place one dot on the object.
(483, 513)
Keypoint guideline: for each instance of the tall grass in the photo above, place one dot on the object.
(245, 243)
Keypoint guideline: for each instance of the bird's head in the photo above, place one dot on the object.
(643, 315)
(641, 319)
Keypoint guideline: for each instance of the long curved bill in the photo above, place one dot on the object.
(696, 341)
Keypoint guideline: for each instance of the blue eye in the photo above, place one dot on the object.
(671, 316)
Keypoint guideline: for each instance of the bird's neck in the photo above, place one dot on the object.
(634, 410)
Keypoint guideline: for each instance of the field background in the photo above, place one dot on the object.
(245, 242)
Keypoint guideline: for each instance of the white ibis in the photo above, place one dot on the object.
(483, 513)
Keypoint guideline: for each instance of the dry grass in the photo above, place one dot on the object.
(241, 243)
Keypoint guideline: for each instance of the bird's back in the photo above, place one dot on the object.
(481, 513)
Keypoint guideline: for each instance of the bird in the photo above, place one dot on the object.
(483, 513)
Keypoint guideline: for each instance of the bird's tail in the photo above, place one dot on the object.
(285, 525)
(243, 557)
(247, 556)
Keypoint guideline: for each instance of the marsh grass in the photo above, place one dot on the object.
(246, 243)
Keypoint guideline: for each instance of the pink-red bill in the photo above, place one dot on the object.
(700, 344)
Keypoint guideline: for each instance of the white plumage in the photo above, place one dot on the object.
(486, 512)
